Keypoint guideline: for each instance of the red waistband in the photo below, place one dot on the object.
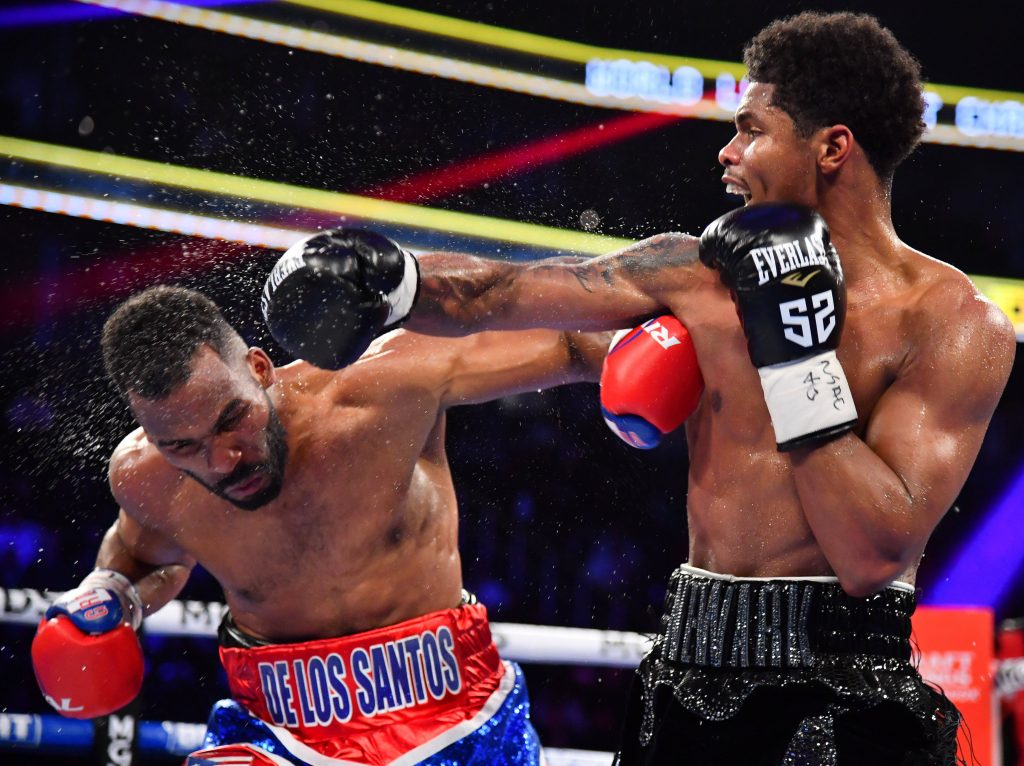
(440, 668)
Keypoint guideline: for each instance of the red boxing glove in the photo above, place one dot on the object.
(86, 655)
(650, 382)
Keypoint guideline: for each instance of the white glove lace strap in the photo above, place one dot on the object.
(123, 587)
(402, 297)
(806, 397)
(619, 335)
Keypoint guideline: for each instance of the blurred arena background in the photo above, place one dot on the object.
(122, 125)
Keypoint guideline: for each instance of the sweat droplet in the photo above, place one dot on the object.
(590, 220)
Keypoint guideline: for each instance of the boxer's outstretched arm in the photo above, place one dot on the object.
(485, 366)
(459, 294)
(872, 502)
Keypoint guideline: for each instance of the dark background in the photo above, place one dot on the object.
(561, 523)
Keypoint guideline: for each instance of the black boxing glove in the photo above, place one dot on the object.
(788, 283)
(332, 293)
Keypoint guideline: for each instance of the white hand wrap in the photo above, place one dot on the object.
(808, 398)
(402, 297)
(122, 587)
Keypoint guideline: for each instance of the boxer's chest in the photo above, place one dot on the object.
(348, 503)
(874, 345)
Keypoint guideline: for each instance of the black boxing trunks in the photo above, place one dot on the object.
(784, 671)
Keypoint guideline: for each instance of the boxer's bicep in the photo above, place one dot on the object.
(148, 547)
(142, 482)
(929, 425)
(157, 565)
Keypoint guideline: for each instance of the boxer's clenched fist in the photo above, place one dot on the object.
(332, 293)
(85, 653)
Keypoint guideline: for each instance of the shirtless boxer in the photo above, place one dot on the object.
(818, 466)
(323, 504)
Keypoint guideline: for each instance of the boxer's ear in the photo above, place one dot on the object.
(835, 146)
(261, 367)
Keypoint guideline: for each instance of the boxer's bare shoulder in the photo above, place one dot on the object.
(403, 367)
(141, 480)
(951, 318)
(395, 371)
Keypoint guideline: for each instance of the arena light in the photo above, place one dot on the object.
(988, 564)
(567, 50)
(51, 13)
(78, 286)
(400, 58)
(503, 37)
(38, 14)
(1008, 294)
(145, 217)
(986, 119)
(977, 112)
(285, 195)
(446, 180)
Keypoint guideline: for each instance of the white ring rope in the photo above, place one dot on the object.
(537, 644)
(522, 643)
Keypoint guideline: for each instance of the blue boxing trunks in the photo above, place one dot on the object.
(431, 690)
(784, 672)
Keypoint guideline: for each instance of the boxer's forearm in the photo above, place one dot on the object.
(861, 513)
(157, 584)
(161, 586)
(460, 294)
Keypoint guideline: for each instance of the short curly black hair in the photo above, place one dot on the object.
(150, 340)
(843, 68)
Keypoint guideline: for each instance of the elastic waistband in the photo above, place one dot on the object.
(426, 667)
(896, 585)
(716, 620)
(230, 636)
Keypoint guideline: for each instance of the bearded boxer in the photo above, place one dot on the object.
(323, 504)
(849, 383)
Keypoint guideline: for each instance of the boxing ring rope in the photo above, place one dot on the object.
(534, 644)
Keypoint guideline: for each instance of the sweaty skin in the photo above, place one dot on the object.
(926, 355)
(364, 531)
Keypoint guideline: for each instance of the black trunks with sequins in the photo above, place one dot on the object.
(788, 671)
